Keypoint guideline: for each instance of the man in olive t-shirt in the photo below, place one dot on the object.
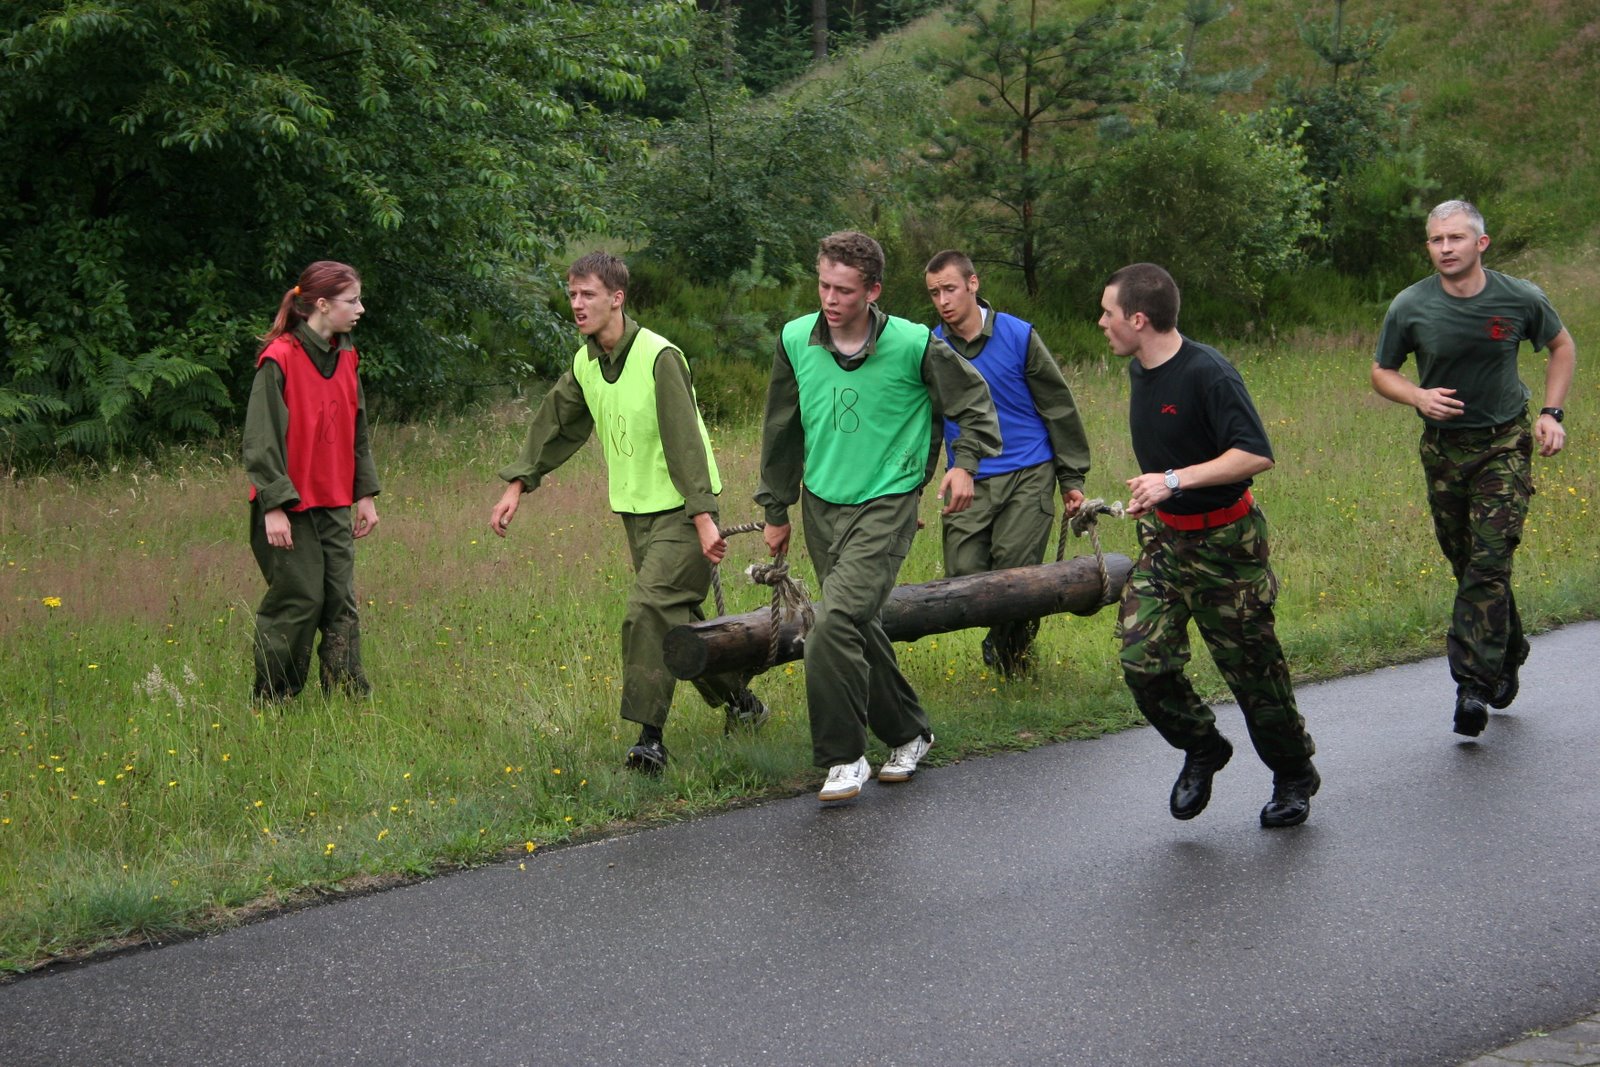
(1465, 324)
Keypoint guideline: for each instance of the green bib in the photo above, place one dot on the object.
(868, 430)
(624, 414)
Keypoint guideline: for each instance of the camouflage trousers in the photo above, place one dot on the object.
(1479, 485)
(1221, 579)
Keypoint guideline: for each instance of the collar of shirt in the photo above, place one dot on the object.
(630, 330)
(822, 338)
(324, 354)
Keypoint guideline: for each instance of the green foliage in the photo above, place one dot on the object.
(728, 330)
(1221, 204)
(1037, 76)
(1340, 46)
(1196, 16)
(744, 179)
(1353, 133)
(172, 164)
(781, 49)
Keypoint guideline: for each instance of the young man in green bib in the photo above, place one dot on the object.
(1465, 324)
(634, 387)
(855, 406)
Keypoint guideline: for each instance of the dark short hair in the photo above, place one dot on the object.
(612, 272)
(1148, 288)
(852, 249)
(951, 258)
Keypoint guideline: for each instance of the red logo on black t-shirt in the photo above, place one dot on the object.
(1499, 329)
(1169, 409)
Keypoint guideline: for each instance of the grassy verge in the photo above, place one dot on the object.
(141, 796)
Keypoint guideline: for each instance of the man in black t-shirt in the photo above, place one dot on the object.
(1204, 552)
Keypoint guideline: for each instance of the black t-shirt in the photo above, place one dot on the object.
(1191, 409)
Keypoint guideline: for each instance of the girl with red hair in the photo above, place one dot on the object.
(312, 480)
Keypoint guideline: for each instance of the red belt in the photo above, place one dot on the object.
(1209, 520)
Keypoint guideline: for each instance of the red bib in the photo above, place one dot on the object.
(321, 440)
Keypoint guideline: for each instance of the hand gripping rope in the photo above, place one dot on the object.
(789, 598)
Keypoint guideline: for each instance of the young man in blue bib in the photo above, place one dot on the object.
(1045, 448)
(633, 386)
(851, 409)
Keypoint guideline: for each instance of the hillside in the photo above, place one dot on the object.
(1508, 87)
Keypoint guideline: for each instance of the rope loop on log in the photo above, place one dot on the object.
(1087, 520)
(789, 598)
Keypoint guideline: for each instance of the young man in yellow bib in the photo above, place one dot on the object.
(853, 407)
(634, 387)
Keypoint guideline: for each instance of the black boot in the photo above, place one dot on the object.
(649, 755)
(745, 712)
(1506, 687)
(1472, 712)
(1192, 791)
(1291, 796)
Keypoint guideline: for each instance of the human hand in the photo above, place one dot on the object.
(366, 517)
(1145, 492)
(777, 538)
(1439, 404)
(505, 508)
(713, 545)
(278, 534)
(1071, 502)
(955, 488)
(1550, 435)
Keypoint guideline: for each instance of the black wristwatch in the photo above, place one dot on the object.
(1554, 413)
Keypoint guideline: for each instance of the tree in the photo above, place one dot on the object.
(744, 178)
(1357, 49)
(1353, 132)
(1196, 16)
(1220, 200)
(1038, 76)
(171, 164)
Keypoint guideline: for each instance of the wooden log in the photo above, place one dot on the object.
(739, 642)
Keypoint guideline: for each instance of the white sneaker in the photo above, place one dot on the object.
(903, 760)
(845, 780)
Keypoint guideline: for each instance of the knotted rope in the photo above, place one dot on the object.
(789, 599)
(1087, 520)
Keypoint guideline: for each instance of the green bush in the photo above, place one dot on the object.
(746, 182)
(169, 169)
(1219, 203)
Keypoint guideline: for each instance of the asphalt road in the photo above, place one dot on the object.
(1033, 908)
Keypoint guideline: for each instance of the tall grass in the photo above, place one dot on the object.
(141, 794)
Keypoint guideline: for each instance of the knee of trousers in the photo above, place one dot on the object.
(834, 633)
(1156, 685)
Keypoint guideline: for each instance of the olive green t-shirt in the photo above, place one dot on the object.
(1470, 343)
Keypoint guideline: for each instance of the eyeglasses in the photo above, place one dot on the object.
(354, 300)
